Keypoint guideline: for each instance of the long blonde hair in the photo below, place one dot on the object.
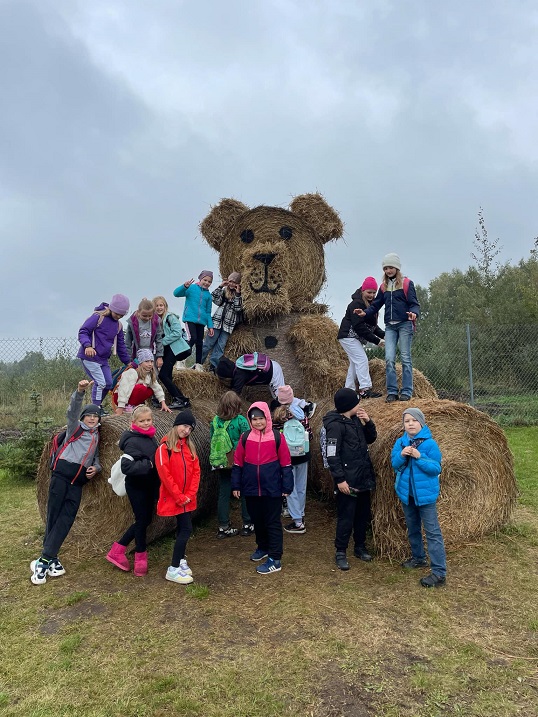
(398, 280)
(142, 374)
(160, 298)
(172, 440)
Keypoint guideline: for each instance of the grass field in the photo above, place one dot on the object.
(307, 641)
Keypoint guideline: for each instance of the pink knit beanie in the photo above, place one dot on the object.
(369, 284)
(285, 395)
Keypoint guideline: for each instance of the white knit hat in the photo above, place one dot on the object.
(391, 260)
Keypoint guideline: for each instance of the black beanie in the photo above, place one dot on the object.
(91, 408)
(185, 418)
(345, 399)
(255, 413)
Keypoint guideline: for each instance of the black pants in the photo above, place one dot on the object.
(352, 514)
(165, 373)
(183, 533)
(197, 338)
(141, 494)
(62, 508)
(265, 512)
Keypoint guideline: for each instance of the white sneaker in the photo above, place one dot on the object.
(56, 568)
(176, 575)
(180, 365)
(185, 567)
(198, 367)
(40, 571)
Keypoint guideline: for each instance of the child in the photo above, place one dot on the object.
(99, 335)
(145, 331)
(228, 315)
(229, 411)
(416, 458)
(401, 311)
(138, 384)
(197, 311)
(141, 483)
(296, 501)
(262, 473)
(354, 332)
(179, 470)
(175, 349)
(349, 431)
(76, 463)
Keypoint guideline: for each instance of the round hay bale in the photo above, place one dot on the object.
(103, 516)
(422, 388)
(478, 487)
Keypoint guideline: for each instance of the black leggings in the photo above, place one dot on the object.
(142, 498)
(196, 332)
(183, 533)
(165, 373)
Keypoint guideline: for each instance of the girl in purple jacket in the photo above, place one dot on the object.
(99, 335)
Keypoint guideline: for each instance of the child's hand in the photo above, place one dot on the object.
(210, 332)
(188, 283)
(84, 384)
(236, 493)
(361, 413)
(381, 342)
(119, 411)
(410, 451)
(90, 352)
(91, 472)
(359, 312)
(159, 362)
(411, 316)
(165, 408)
(343, 487)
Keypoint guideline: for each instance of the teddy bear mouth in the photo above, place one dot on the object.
(264, 288)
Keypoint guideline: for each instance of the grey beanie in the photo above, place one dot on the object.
(417, 415)
(391, 260)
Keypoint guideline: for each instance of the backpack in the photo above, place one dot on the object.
(99, 322)
(296, 437)
(117, 476)
(59, 444)
(405, 286)
(323, 446)
(221, 446)
(253, 362)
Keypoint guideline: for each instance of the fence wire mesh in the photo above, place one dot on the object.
(490, 367)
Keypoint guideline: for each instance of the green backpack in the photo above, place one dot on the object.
(221, 447)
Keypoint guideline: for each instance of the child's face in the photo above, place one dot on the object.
(143, 419)
(390, 271)
(411, 425)
(160, 308)
(146, 315)
(206, 282)
(91, 420)
(147, 366)
(183, 430)
(115, 316)
(368, 294)
(233, 286)
(258, 422)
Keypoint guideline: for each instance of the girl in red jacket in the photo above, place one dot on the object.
(179, 470)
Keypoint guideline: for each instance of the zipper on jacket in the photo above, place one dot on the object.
(258, 466)
(184, 473)
(82, 462)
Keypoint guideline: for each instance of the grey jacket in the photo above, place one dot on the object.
(85, 450)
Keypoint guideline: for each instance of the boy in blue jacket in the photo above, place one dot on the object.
(416, 458)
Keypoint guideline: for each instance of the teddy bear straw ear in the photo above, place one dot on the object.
(315, 211)
(219, 220)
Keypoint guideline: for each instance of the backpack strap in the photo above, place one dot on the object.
(276, 434)
(74, 437)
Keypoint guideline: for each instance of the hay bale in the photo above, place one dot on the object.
(103, 516)
(314, 210)
(478, 488)
(422, 388)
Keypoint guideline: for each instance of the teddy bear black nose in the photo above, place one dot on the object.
(265, 258)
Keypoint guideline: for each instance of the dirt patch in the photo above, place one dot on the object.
(57, 619)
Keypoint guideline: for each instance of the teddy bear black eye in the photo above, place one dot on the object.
(286, 232)
(247, 236)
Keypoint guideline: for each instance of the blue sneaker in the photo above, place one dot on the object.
(259, 554)
(270, 566)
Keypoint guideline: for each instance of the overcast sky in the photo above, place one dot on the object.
(123, 121)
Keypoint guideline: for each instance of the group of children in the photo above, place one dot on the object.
(257, 466)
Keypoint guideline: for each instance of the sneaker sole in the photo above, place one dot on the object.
(257, 560)
(268, 572)
(179, 582)
(295, 532)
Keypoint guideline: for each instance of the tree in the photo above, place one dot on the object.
(486, 253)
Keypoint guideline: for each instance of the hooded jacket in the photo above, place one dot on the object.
(396, 303)
(364, 328)
(197, 304)
(102, 337)
(259, 468)
(179, 472)
(418, 477)
(347, 450)
(75, 457)
(141, 447)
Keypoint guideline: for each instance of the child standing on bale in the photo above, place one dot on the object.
(145, 331)
(179, 470)
(234, 423)
(75, 464)
(175, 349)
(416, 458)
(228, 315)
(99, 336)
(197, 311)
(142, 485)
(349, 430)
(262, 473)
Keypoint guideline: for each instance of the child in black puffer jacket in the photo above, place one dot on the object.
(142, 484)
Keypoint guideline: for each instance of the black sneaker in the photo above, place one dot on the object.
(228, 532)
(155, 403)
(369, 393)
(247, 529)
(404, 397)
(178, 404)
(341, 561)
(432, 581)
(310, 409)
(361, 553)
(391, 397)
(412, 563)
(294, 528)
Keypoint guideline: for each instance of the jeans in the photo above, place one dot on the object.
(223, 504)
(402, 334)
(297, 498)
(427, 515)
(358, 365)
(215, 345)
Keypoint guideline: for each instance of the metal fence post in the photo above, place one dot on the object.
(470, 363)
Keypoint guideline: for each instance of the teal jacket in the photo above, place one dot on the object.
(418, 477)
(197, 304)
(173, 334)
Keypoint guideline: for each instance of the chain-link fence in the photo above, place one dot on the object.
(490, 367)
